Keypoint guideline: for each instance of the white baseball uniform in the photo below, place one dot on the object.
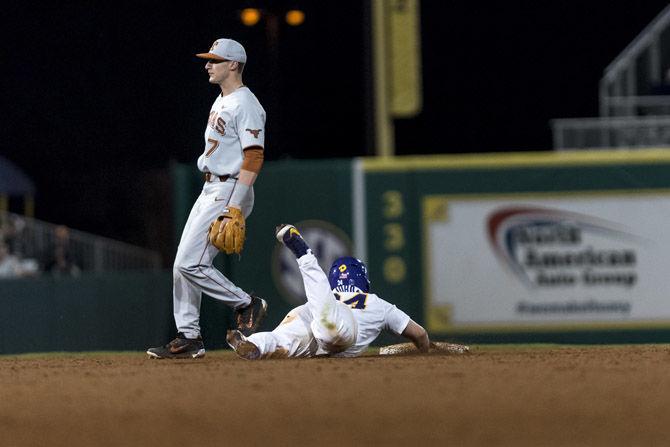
(336, 323)
(236, 121)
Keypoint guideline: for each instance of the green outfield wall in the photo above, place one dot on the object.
(395, 214)
(433, 219)
(520, 247)
(111, 312)
(314, 193)
(124, 311)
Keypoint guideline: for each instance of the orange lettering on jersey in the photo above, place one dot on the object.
(220, 126)
(212, 148)
(254, 132)
(217, 123)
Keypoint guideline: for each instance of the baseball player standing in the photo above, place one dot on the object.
(231, 161)
(341, 317)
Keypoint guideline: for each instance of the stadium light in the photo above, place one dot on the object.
(250, 16)
(295, 17)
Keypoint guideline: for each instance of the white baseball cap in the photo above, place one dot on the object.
(226, 49)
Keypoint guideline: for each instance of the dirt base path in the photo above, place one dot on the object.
(570, 396)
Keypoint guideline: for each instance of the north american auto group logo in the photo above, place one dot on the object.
(546, 247)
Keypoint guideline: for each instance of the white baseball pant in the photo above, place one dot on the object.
(323, 319)
(193, 272)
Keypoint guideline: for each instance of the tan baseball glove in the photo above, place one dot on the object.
(228, 231)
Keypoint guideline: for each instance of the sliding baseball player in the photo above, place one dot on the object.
(341, 317)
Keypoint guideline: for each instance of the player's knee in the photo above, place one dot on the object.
(185, 269)
(335, 335)
(335, 345)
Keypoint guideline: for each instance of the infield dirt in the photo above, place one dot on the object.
(531, 396)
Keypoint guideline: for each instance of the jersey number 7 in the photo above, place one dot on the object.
(214, 144)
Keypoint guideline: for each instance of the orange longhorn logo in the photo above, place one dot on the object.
(254, 132)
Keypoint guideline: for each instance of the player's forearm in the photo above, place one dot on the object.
(422, 343)
(418, 335)
(247, 177)
(251, 166)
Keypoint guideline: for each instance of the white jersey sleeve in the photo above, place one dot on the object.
(373, 315)
(251, 125)
(395, 320)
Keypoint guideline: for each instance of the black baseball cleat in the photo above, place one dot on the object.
(250, 317)
(243, 347)
(179, 348)
(289, 235)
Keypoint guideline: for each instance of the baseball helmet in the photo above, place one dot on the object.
(349, 271)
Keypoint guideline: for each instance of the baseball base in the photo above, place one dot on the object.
(435, 347)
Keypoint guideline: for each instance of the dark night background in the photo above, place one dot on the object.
(100, 97)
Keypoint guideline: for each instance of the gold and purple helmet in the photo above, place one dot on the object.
(348, 274)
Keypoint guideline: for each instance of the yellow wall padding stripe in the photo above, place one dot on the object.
(516, 159)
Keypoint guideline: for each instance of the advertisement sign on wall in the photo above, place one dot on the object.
(563, 260)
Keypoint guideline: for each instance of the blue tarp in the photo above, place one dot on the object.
(13, 181)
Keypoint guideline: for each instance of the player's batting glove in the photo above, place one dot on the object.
(227, 232)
